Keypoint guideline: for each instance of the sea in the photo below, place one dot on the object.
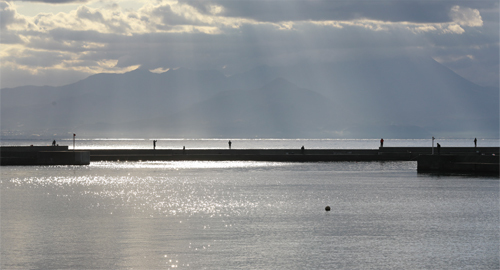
(246, 214)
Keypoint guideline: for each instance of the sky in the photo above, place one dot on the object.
(57, 42)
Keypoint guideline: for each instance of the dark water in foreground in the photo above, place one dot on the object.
(246, 215)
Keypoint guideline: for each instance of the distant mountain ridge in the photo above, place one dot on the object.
(363, 98)
(278, 109)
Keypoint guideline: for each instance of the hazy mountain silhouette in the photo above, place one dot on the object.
(397, 90)
(105, 99)
(363, 98)
(278, 109)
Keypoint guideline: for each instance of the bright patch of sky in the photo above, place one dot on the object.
(33, 8)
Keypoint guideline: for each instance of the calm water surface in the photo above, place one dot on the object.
(246, 215)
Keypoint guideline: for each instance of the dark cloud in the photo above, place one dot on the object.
(297, 10)
(115, 25)
(252, 45)
(9, 38)
(40, 59)
(8, 16)
(85, 13)
(169, 18)
(62, 34)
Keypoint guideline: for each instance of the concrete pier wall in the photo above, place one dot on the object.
(442, 150)
(42, 155)
(487, 164)
(64, 158)
(470, 159)
(381, 154)
(238, 154)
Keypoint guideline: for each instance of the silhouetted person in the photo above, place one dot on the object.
(154, 144)
(54, 143)
(439, 148)
(382, 142)
(229, 144)
(475, 142)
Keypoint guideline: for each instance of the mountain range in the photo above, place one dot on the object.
(361, 98)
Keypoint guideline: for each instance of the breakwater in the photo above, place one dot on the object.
(444, 159)
(42, 155)
(484, 164)
(300, 155)
(296, 155)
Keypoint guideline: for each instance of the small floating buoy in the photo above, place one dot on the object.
(327, 208)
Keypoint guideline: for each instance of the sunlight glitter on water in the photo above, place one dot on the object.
(152, 188)
(176, 165)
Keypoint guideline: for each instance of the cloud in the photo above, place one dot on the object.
(234, 36)
(454, 28)
(160, 70)
(168, 17)
(92, 15)
(416, 11)
(35, 58)
(9, 16)
(466, 16)
(114, 22)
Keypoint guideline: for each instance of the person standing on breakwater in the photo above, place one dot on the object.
(475, 142)
(229, 144)
(54, 143)
(154, 144)
(382, 142)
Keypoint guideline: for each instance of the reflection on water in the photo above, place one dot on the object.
(258, 215)
(176, 165)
